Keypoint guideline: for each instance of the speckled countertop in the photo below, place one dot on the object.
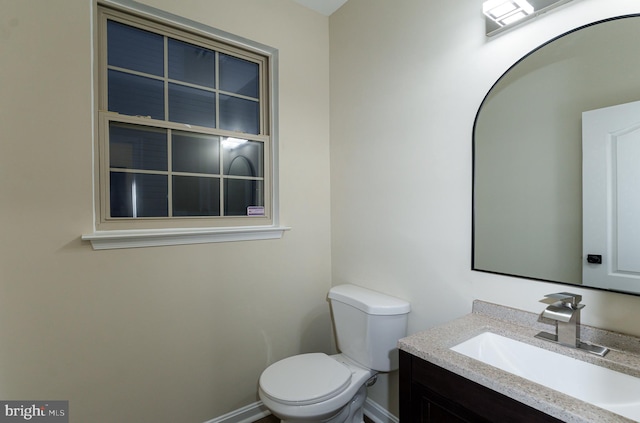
(433, 345)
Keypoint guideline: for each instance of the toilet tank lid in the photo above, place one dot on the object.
(370, 302)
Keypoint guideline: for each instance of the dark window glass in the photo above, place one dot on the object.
(192, 106)
(240, 194)
(136, 95)
(192, 64)
(238, 76)
(137, 147)
(240, 115)
(138, 195)
(195, 153)
(134, 49)
(196, 196)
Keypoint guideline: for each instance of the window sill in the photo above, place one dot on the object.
(108, 240)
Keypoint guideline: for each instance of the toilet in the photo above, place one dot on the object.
(317, 387)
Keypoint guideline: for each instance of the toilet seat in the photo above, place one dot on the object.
(305, 379)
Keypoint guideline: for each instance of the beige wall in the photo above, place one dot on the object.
(164, 334)
(407, 78)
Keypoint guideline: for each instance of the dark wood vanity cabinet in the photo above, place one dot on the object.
(429, 393)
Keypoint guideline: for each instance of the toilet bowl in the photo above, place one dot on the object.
(317, 387)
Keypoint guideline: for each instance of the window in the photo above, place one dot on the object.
(184, 135)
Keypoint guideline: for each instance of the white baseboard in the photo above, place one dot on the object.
(377, 413)
(246, 414)
(257, 410)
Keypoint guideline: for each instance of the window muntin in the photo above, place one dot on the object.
(184, 128)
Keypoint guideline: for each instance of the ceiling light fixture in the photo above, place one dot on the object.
(505, 12)
(232, 143)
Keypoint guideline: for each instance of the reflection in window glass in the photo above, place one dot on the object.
(135, 49)
(196, 196)
(240, 194)
(242, 158)
(192, 64)
(192, 106)
(195, 153)
(135, 95)
(237, 114)
(138, 195)
(238, 76)
(137, 147)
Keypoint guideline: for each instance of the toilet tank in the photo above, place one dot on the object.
(368, 325)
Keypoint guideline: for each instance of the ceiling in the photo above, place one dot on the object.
(326, 7)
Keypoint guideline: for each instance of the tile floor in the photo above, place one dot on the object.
(268, 419)
(273, 419)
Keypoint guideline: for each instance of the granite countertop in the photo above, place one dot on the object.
(433, 345)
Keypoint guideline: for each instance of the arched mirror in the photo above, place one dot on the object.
(528, 154)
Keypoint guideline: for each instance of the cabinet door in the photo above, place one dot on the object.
(429, 407)
(433, 413)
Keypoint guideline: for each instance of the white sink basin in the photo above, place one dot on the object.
(604, 388)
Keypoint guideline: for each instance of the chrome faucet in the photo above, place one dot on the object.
(565, 312)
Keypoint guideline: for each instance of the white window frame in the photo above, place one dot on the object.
(143, 233)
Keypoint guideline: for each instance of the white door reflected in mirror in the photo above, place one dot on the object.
(611, 197)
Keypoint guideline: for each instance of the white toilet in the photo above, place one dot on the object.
(332, 389)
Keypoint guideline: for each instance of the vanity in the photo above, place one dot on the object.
(438, 384)
(430, 393)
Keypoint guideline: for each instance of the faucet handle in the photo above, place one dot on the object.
(567, 298)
